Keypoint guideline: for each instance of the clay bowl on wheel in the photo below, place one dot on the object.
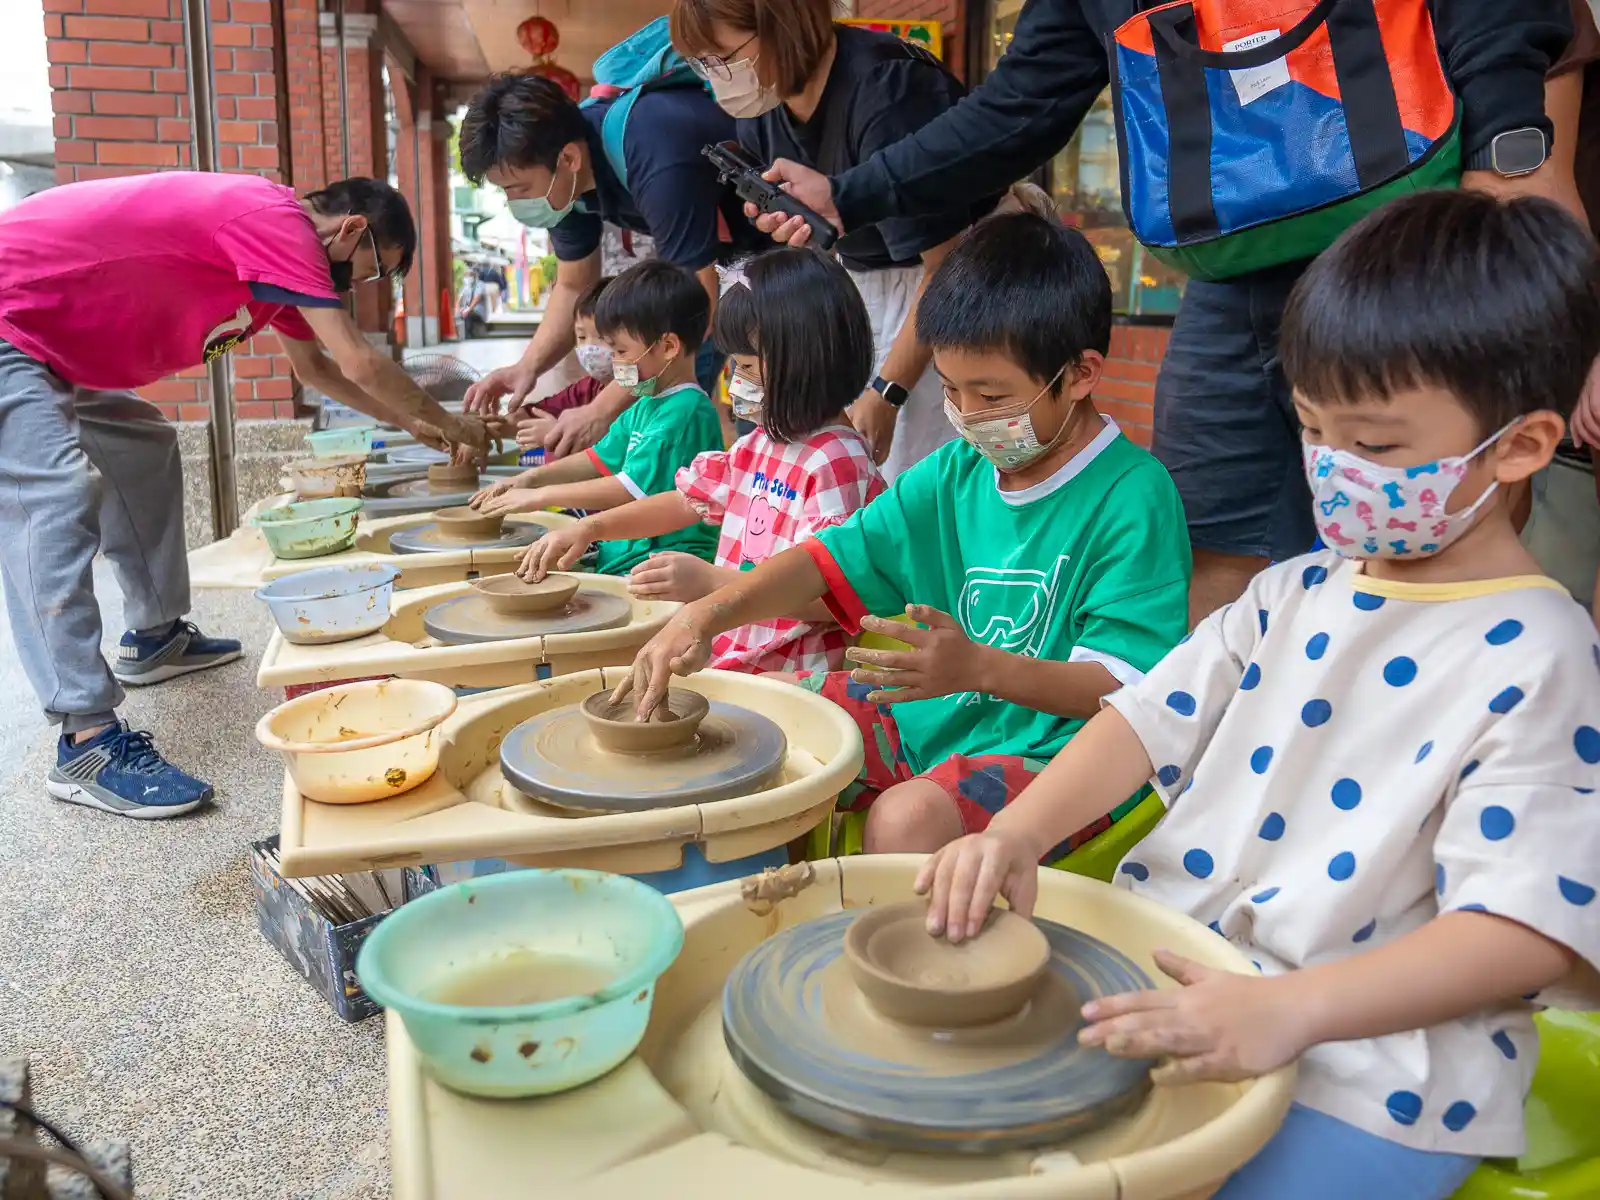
(453, 476)
(465, 522)
(511, 596)
(910, 976)
(617, 728)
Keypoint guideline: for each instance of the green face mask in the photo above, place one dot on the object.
(626, 375)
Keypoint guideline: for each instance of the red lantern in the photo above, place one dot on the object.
(538, 37)
(561, 77)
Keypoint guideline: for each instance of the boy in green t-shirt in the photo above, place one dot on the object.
(1044, 556)
(654, 317)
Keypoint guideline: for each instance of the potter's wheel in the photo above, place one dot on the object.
(553, 757)
(468, 619)
(799, 1030)
(410, 492)
(423, 539)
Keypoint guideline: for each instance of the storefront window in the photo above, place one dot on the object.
(1085, 183)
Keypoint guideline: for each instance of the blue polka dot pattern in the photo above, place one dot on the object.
(1272, 828)
(1404, 1107)
(1317, 646)
(1438, 878)
(1398, 672)
(1198, 863)
(1346, 794)
(1427, 749)
(1574, 892)
(1584, 791)
(1496, 822)
(1169, 775)
(1216, 929)
(1507, 631)
(1341, 866)
(1471, 908)
(1261, 614)
(1313, 575)
(1470, 768)
(1367, 602)
(1264, 896)
(1181, 703)
(1503, 1043)
(1458, 1116)
(1137, 869)
(1315, 713)
(1365, 931)
(1261, 759)
(1586, 741)
(1506, 701)
(1252, 676)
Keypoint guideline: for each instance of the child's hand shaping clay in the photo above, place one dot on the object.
(514, 500)
(558, 550)
(679, 649)
(1217, 1026)
(942, 660)
(672, 575)
(498, 488)
(532, 431)
(962, 879)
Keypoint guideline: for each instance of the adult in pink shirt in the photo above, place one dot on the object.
(110, 285)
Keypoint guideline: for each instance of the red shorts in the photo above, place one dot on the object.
(979, 786)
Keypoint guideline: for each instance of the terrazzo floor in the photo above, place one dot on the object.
(132, 973)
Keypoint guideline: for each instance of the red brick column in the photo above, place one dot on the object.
(1128, 388)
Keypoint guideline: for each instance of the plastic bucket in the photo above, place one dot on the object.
(310, 528)
(330, 604)
(332, 443)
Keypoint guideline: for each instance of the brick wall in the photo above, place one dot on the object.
(120, 94)
(1127, 389)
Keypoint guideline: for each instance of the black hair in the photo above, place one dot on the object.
(1022, 286)
(1496, 302)
(387, 213)
(805, 319)
(652, 299)
(590, 299)
(518, 121)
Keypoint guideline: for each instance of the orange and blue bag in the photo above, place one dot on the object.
(1254, 132)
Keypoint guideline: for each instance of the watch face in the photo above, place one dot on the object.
(1519, 151)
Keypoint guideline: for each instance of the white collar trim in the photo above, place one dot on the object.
(1065, 473)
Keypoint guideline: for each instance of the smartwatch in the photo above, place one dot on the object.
(892, 392)
(1512, 153)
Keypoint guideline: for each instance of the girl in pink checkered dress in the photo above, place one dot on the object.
(801, 346)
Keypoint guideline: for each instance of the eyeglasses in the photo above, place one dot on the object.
(717, 66)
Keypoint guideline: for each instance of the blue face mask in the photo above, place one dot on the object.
(539, 213)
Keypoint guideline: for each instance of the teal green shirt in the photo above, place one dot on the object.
(644, 448)
(1090, 565)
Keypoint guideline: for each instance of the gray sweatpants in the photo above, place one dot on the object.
(80, 471)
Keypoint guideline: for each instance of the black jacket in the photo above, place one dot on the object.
(1495, 52)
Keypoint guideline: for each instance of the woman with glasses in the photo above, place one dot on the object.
(830, 96)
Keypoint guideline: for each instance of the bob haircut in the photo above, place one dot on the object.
(652, 299)
(1496, 302)
(1022, 286)
(794, 34)
(802, 315)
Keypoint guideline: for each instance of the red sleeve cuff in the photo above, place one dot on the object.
(841, 599)
(599, 463)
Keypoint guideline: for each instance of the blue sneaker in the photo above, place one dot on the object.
(181, 650)
(120, 771)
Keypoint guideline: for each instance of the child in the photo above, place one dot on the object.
(801, 345)
(653, 318)
(1043, 554)
(535, 421)
(1378, 762)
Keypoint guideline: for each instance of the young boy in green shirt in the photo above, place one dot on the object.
(653, 317)
(1043, 555)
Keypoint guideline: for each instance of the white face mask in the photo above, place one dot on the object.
(595, 360)
(741, 94)
(1005, 436)
(745, 398)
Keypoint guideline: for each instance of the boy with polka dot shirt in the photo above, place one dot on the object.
(1378, 764)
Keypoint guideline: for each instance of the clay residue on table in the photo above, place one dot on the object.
(762, 893)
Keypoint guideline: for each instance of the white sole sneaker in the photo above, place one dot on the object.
(165, 672)
(74, 793)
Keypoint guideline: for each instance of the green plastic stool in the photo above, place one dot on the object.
(1563, 1157)
(1097, 858)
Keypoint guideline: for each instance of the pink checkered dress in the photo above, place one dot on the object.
(768, 496)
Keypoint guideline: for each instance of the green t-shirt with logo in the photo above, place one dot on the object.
(644, 448)
(1090, 565)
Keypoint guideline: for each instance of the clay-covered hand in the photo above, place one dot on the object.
(558, 550)
(515, 381)
(498, 488)
(942, 660)
(680, 648)
(672, 575)
(430, 436)
(874, 419)
(811, 188)
(1217, 1026)
(513, 500)
(962, 879)
(469, 439)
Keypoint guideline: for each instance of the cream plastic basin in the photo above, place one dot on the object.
(360, 741)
